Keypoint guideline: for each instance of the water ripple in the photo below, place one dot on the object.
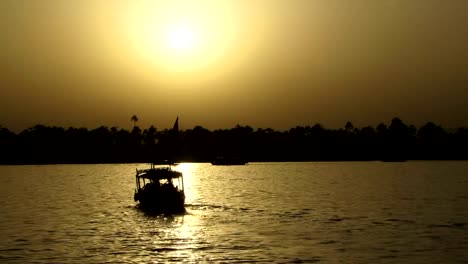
(321, 212)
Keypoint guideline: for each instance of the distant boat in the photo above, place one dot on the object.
(160, 189)
(393, 160)
(228, 161)
(165, 162)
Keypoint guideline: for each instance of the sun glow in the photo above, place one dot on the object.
(181, 36)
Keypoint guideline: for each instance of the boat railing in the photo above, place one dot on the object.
(142, 174)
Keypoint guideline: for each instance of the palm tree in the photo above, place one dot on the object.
(134, 119)
(349, 127)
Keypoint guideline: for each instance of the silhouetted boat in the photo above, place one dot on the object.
(160, 189)
(228, 161)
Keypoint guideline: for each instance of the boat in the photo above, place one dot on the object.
(160, 189)
(228, 161)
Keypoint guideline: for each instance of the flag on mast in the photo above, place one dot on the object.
(175, 129)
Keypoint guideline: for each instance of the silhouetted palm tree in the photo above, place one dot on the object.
(134, 119)
(349, 127)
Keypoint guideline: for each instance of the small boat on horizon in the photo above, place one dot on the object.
(393, 160)
(228, 161)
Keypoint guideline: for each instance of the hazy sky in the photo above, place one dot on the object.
(262, 63)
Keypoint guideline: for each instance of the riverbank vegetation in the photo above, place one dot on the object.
(393, 142)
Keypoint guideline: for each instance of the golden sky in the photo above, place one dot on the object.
(263, 63)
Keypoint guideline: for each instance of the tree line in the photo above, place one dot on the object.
(393, 142)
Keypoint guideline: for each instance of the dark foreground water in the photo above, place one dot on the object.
(361, 212)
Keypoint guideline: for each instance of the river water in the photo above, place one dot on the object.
(345, 212)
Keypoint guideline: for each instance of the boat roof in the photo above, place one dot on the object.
(158, 174)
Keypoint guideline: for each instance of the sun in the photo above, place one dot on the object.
(181, 36)
(181, 44)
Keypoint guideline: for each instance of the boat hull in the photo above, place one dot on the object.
(164, 202)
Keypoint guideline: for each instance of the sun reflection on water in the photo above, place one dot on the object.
(188, 170)
(184, 235)
(176, 237)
